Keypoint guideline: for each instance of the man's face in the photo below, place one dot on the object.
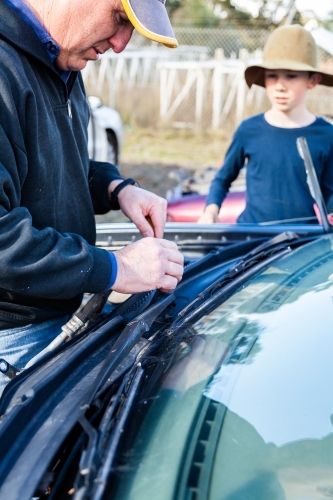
(84, 29)
(287, 89)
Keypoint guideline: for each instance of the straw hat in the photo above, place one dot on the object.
(288, 47)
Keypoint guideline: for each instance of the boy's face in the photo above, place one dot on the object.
(287, 89)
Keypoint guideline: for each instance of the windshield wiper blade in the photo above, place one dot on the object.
(284, 237)
(126, 341)
(97, 456)
(256, 255)
(223, 288)
(91, 457)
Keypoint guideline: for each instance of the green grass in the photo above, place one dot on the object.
(180, 148)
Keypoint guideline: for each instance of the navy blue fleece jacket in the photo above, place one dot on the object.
(49, 190)
(276, 187)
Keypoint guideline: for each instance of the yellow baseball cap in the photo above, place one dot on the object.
(150, 19)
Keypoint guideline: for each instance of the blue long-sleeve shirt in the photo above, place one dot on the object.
(276, 187)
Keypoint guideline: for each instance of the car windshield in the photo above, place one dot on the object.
(258, 424)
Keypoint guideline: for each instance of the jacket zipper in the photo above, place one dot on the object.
(69, 86)
(69, 108)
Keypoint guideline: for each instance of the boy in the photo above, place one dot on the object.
(275, 174)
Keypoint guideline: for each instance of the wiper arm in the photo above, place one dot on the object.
(258, 254)
(223, 288)
(284, 237)
(97, 456)
(126, 341)
(91, 457)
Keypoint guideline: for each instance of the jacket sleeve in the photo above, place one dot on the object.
(100, 176)
(43, 250)
(41, 262)
(233, 162)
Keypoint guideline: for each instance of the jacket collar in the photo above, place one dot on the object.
(17, 32)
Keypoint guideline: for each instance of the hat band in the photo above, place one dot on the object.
(168, 41)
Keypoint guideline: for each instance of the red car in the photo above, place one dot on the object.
(188, 208)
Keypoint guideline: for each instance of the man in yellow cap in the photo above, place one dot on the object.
(49, 189)
(275, 175)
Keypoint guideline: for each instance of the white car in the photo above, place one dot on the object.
(105, 132)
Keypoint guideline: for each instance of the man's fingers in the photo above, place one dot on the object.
(148, 264)
(143, 225)
(158, 230)
(158, 220)
(168, 244)
(175, 256)
(169, 284)
(175, 270)
(138, 205)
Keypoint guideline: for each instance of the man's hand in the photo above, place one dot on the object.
(209, 215)
(137, 204)
(148, 264)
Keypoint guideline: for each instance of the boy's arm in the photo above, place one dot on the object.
(210, 214)
(234, 161)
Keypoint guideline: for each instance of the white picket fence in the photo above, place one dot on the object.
(187, 87)
(223, 77)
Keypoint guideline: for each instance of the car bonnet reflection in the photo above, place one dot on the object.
(289, 379)
(263, 429)
(276, 440)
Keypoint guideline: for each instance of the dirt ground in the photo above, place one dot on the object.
(151, 157)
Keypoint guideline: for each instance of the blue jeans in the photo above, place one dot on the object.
(19, 345)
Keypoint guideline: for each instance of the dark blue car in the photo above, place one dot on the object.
(219, 391)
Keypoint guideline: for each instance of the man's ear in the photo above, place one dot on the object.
(314, 79)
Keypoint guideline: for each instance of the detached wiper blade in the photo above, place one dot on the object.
(312, 180)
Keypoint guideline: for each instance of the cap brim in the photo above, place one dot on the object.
(256, 74)
(150, 19)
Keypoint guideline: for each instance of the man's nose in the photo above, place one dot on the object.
(119, 40)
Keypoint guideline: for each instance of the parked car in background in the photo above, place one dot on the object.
(189, 207)
(186, 201)
(105, 132)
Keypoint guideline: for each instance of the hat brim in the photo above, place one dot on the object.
(256, 74)
(151, 20)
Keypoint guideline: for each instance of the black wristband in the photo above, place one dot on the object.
(123, 184)
(114, 195)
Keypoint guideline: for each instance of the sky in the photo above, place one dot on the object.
(319, 7)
